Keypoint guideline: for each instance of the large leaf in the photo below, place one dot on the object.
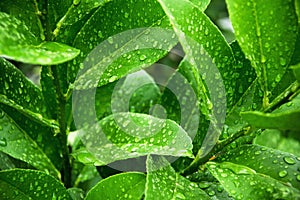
(164, 183)
(285, 117)
(123, 43)
(15, 142)
(244, 183)
(126, 185)
(28, 184)
(255, 23)
(18, 43)
(128, 135)
(274, 163)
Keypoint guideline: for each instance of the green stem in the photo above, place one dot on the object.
(199, 160)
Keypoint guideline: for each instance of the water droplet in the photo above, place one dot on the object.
(1, 114)
(298, 177)
(143, 57)
(263, 59)
(180, 196)
(3, 142)
(204, 185)
(211, 193)
(76, 2)
(110, 40)
(112, 79)
(289, 160)
(282, 61)
(100, 35)
(282, 173)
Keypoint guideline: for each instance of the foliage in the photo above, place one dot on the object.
(224, 124)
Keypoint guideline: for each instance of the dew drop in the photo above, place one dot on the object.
(1, 114)
(283, 173)
(112, 79)
(289, 160)
(298, 177)
(3, 142)
(263, 59)
(180, 196)
(143, 57)
(282, 61)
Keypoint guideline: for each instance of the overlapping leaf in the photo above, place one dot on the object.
(29, 184)
(279, 165)
(128, 135)
(122, 186)
(18, 43)
(244, 183)
(15, 142)
(164, 183)
(255, 23)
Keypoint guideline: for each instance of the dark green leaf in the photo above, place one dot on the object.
(122, 186)
(15, 142)
(244, 183)
(255, 23)
(123, 43)
(164, 183)
(18, 43)
(5, 162)
(128, 135)
(29, 184)
(274, 163)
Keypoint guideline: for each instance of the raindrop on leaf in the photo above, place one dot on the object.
(3, 142)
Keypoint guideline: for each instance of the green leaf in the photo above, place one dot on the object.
(244, 183)
(26, 11)
(164, 183)
(128, 135)
(5, 161)
(255, 23)
(76, 193)
(279, 165)
(285, 117)
(202, 5)
(122, 44)
(28, 184)
(18, 43)
(296, 70)
(121, 186)
(15, 142)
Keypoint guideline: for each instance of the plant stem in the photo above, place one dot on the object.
(61, 111)
(199, 160)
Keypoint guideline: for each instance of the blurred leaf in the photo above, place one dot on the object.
(18, 144)
(126, 185)
(125, 42)
(164, 183)
(26, 11)
(269, 53)
(5, 162)
(76, 193)
(244, 183)
(274, 163)
(129, 135)
(285, 117)
(296, 70)
(283, 141)
(202, 5)
(28, 184)
(18, 43)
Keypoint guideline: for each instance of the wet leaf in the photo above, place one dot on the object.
(279, 165)
(26, 11)
(121, 186)
(76, 193)
(5, 162)
(164, 183)
(285, 117)
(123, 44)
(18, 43)
(28, 184)
(202, 5)
(15, 142)
(255, 24)
(129, 135)
(245, 183)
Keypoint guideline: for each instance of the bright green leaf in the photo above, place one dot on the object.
(121, 186)
(28, 184)
(244, 183)
(15, 142)
(18, 43)
(274, 163)
(164, 183)
(128, 135)
(255, 24)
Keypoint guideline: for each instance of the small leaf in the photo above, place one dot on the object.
(285, 117)
(244, 183)
(18, 144)
(121, 186)
(18, 43)
(296, 70)
(129, 135)
(29, 184)
(274, 163)
(255, 23)
(164, 183)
